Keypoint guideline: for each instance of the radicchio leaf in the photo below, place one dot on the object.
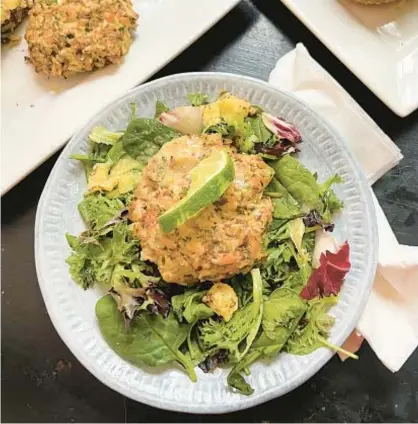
(160, 301)
(327, 279)
(314, 218)
(277, 150)
(213, 361)
(286, 133)
(131, 300)
(282, 129)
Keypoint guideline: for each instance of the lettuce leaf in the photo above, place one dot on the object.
(150, 339)
(189, 307)
(144, 137)
(281, 315)
(236, 335)
(96, 253)
(285, 264)
(97, 209)
(101, 135)
(134, 291)
(330, 202)
(315, 328)
(160, 108)
(101, 141)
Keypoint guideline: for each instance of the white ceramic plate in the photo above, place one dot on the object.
(39, 115)
(72, 310)
(379, 44)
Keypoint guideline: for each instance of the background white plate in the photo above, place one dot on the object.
(379, 44)
(72, 310)
(39, 114)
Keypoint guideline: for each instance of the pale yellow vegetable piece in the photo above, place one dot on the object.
(123, 175)
(297, 230)
(222, 299)
(99, 175)
(228, 108)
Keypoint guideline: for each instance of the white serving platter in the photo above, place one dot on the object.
(378, 43)
(39, 115)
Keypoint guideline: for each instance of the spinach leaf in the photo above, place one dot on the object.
(298, 181)
(150, 339)
(237, 381)
(144, 137)
(285, 206)
(189, 307)
(295, 192)
(259, 130)
(198, 99)
(160, 108)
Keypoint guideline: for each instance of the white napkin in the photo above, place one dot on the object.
(390, 320)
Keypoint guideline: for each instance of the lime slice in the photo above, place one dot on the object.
(210, 179)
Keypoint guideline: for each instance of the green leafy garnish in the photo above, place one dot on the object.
(298, 181)
(259, 130)
(189, 306)
(144, 137)
(315, 329)
(236, 335)
(101, 141)
(96, 253)
(97, 209)
(101, 135)
(160, 108)
(282, 313)
(285, 205)
(330, 202)
(198, 99)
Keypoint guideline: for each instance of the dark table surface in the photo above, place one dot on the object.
(41, 379)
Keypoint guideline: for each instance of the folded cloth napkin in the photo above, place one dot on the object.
(390, 320)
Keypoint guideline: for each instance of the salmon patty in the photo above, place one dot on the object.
(12, 14)
(69, 36)
(226, 238)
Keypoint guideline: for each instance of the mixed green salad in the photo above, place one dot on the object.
(280, 305)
